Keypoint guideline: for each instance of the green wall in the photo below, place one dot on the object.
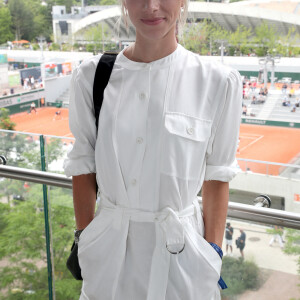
(25, 106)
(270, 123)
(279, 75)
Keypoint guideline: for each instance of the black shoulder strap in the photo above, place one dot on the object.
(102, 75)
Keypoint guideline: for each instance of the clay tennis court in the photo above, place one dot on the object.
(45, 121)
(266, 143)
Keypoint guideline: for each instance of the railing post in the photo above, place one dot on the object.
(46, 216)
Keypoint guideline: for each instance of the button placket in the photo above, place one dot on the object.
(140, 140)
(142, 96)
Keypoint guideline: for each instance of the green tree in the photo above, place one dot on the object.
(67, 3)
(22, 247)
(292, 245)
(266, 39)
(239, 39)
(5, 25)
(204, 37)
(109, 2)
(24, 151)
(97, 37)
(195, 38)
(5, 121)
(22, 18)
(239, 275)
(286, 44)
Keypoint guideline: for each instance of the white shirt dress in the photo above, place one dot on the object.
(164, 128)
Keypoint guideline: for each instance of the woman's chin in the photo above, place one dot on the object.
(155, 35)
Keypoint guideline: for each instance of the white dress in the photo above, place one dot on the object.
(164, 128)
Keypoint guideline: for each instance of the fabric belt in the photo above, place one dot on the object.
(169, 236)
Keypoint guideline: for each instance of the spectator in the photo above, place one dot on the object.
(294, 108)
(284, 88)
(32, 82)
(25, 86)
(228, 238)
(286, 103)
(241, 242)
(261, 99)
(254, 99)
(244, 110)
(277, 235)
(291, 92)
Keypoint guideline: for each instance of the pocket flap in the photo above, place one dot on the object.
(188, 127)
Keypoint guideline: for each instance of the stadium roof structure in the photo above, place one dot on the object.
(282, 14)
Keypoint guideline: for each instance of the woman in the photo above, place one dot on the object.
(168, 127)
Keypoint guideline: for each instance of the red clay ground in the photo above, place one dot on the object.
(45, 121)
(267, 143)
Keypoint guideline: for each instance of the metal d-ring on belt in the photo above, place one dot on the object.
(177, 252)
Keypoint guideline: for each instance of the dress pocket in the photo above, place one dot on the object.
(184, 145)
(96, 228)
(204, 249)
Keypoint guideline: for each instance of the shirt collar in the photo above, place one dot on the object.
(126, 63)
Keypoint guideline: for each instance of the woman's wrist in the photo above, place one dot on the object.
(77, 233)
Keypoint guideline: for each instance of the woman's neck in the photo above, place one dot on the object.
(146, 51)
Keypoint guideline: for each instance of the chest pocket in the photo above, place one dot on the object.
(184, 145)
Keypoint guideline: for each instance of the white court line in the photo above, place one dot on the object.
(66, 135)
(252, 134)
(252, 143)
(248, 137)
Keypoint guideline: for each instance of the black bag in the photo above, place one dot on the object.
(102, 75)
(72, 262)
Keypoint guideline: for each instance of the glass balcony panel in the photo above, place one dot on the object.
(269, 168)
(21, 150)
(62, 223)
(23, 261)
(56, 149)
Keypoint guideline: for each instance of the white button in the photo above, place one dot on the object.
(139, 140)
(142, 96)
(190, 130)
(133, 181)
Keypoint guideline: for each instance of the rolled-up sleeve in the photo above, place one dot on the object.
(81, 159)
(221, 161)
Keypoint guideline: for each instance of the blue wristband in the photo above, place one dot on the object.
(221, 282)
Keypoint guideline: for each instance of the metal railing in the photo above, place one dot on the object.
(268, 163)
(235, 210)
(248, 165)
(280, 168)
